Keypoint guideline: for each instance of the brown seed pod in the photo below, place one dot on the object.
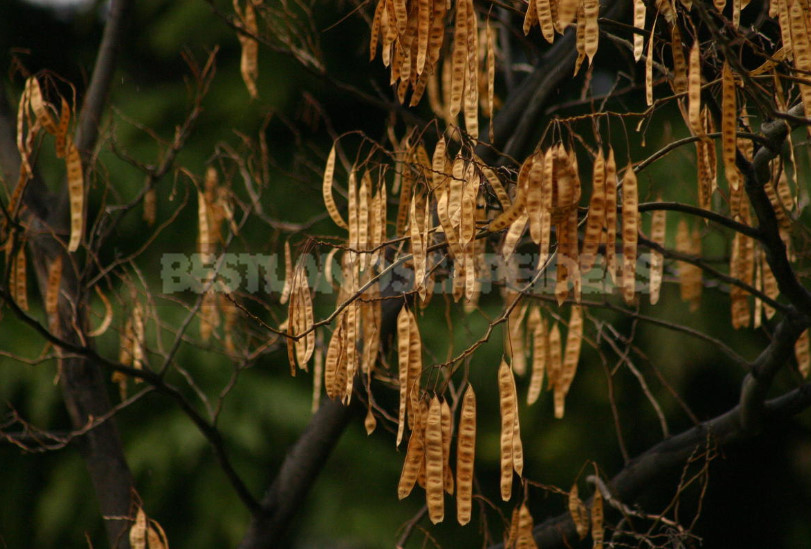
(729, 115)
(545, 19)
(649, 71)
(76, 194)
(414, 459)
(694, 89)
(434, 460)
(18, 284)
(574, 340)
(591, 12)
(554, 354)
(577, 510)
(329, 201)
(611, 214)
(803, 355)
(679, 81)
(524, 537)
(507, 400)
(639, 24)
(403, 337)
(465, 455)
(630, 228)
(447, 435)
(537, 325)
(658, 225)
(596, 219)
(597, 528)
(248, 64)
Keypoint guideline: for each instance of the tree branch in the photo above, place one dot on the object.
(644, 470)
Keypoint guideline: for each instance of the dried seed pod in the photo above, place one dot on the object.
(639, 24)
(18, 284)
(591, 12)
(555, 356)
(596, 217)
(545, 19)
(329, 201)
(729, 123)
(574, 340)
(465, 455)
(539, 352)
(803, 355)
(76, 193)
(434, 460)
(288, 270)
(611, 214)
(52, 294)
(40, 108)
(689, 275)
(414, 366)
(649, 72)
(414, 459)
(459, 57)
(524, 537)
(248, 64)
(507, 400)
(630, 227)
(108, 315)
(597, 528)
(694, 90)
(577, 510)
(679, 82)
(403, 337)
(447, 435)
(658, 225)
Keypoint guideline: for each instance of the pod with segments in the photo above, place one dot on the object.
(577, 510)
(76, 195)
(597, 528)
(507, 400)
(447, 435)
(803, 354)
(537, 326)
(639, 24)
(434, 461)
(18, 286)
(729, 124)
(591, 12)
(596, 218)
(414, 460)
(326, 187)
(630, 228)
(658, 226)
(465, 455)
(403, 337)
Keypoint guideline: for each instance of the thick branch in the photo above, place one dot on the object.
(296, 476)
(644, 470)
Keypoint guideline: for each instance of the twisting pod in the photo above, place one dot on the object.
(329, 201)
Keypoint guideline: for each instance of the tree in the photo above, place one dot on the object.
(486, 273)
